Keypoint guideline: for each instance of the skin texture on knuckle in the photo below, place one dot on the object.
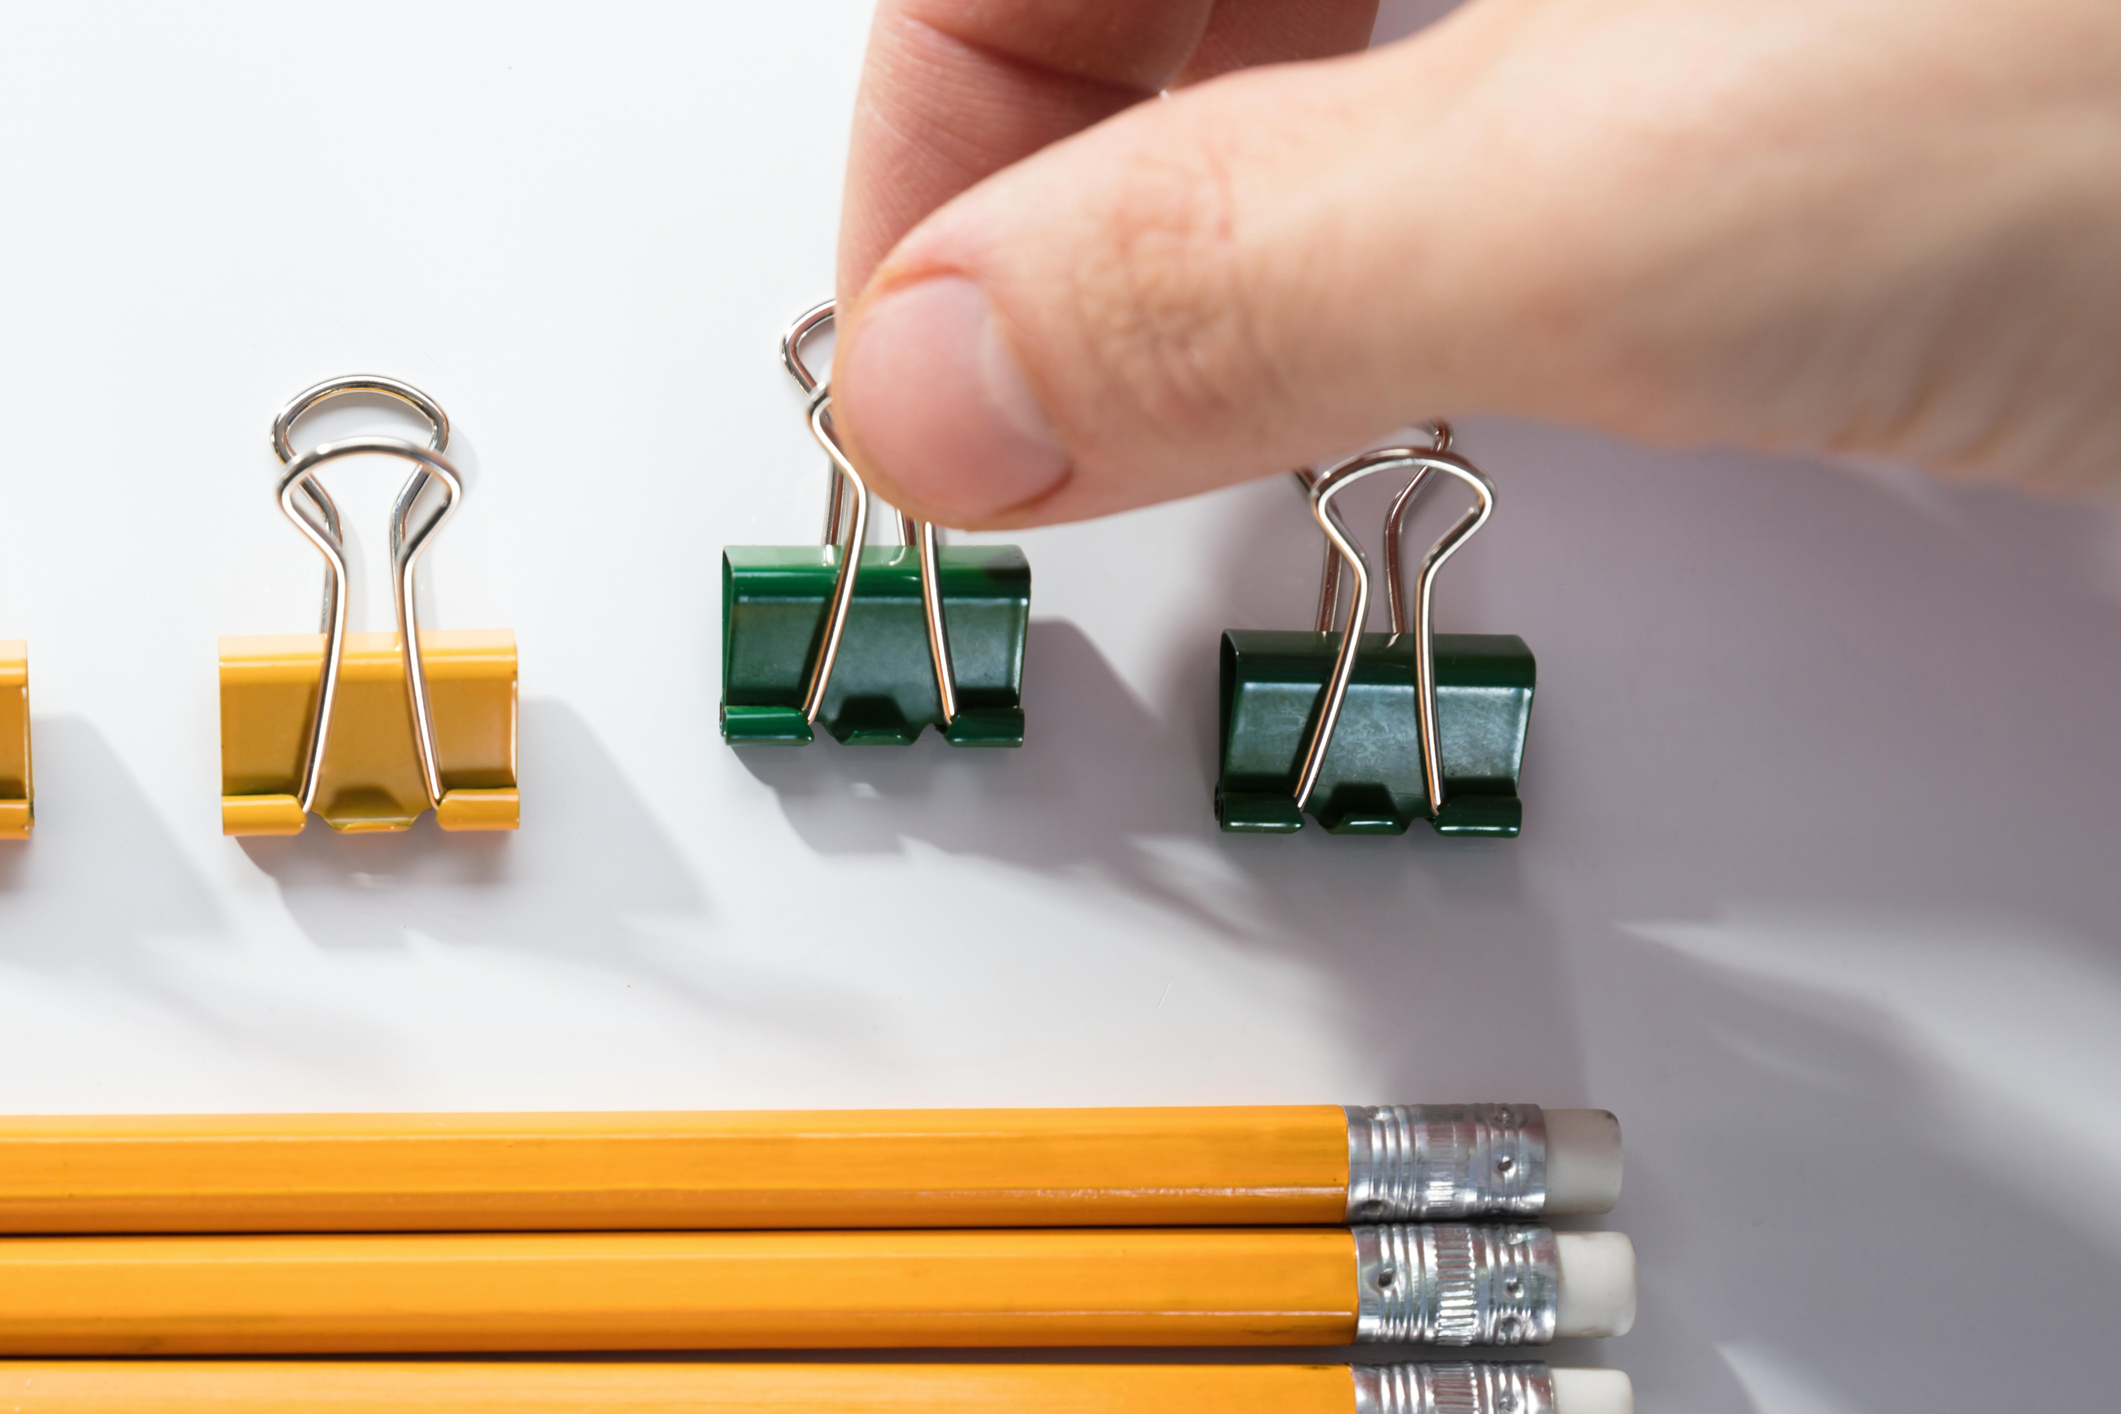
(952, 92)
(1164, 320)
(1194, 288)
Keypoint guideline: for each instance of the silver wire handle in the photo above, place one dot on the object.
(844, 478)
(1322, 490)
(1395, 523)
(811, 321)
(323, 530)
(1329, 572)
(302, 402)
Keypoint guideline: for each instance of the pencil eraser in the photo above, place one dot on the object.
(1593, 1392)
(1583, 1162)
(1596, 1277)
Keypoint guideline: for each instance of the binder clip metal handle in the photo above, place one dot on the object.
(1395, 528)
(811, 321)
(283, 446)
(846, 479)
(1322, 491)
(405, 551)
(1329, 572)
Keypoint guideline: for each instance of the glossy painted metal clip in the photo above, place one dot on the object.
(873, 645)
(1369, 732)
(17, 796)
(368, 730)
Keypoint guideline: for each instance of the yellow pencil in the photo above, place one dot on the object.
(556, 1292)
(836, 1169)
(447, 1387)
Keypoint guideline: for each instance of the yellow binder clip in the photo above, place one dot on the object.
(16, 812)
(368, 730)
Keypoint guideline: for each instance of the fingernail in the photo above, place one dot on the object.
(941, 406)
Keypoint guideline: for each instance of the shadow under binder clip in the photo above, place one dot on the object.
(368, 730)
(1368, 732)
(872, 642)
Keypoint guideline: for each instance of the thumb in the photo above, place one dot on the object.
(1260, 271)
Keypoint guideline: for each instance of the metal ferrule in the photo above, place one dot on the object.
(1455, 1284)
(1454, 1389)
(1407, 1163)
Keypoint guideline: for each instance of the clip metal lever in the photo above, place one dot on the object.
(1369, 732)
(938, 634)
(368, 730)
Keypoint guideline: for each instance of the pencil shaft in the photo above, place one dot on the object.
(265, 1387)
(675, 1291)
(788, 1169)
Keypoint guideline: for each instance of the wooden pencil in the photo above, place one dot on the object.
(558, 1292)
(796, 1169)
(538, 1387)
(395, 1387)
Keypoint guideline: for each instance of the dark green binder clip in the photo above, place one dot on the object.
(871, 642)
(1368, 732)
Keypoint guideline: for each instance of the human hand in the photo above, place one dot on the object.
(1877, 227)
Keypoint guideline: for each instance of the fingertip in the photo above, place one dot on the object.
(935, 404)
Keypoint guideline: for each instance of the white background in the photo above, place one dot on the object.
(1818, 884)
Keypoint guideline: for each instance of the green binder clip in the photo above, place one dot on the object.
(871, 642)
(1368, 732)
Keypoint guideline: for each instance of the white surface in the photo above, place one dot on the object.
(1585, 1162)
(1595, 1274)
(1592, 1392)
(1818, 889)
